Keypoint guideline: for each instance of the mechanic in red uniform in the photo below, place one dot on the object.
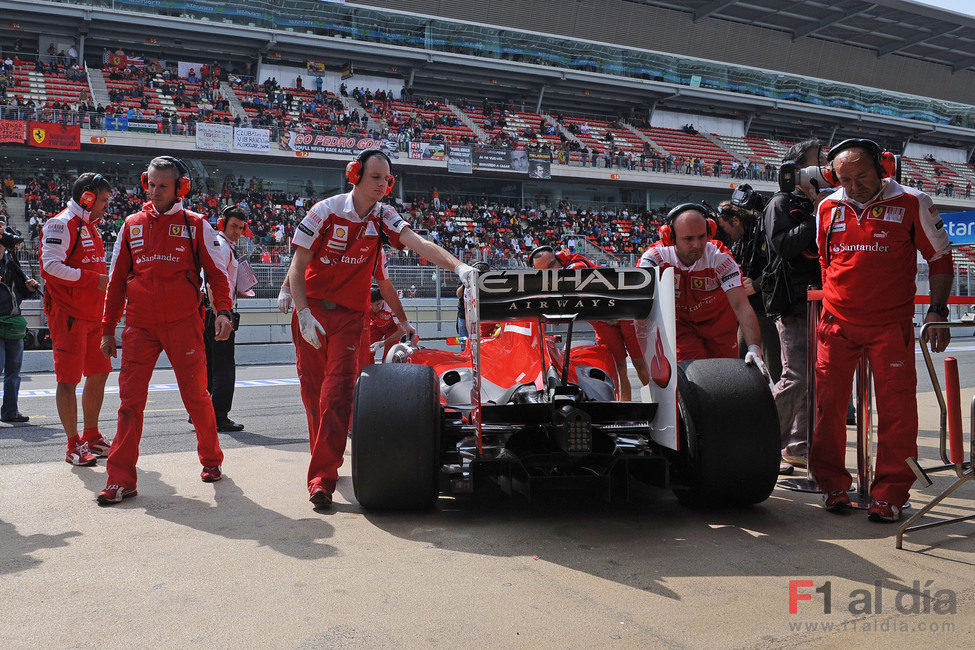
(73, 267)
(710, 299)
(155, 277)
(619, 337)
(387, 319)
(337, 252)
(870, 231)
(384, 329)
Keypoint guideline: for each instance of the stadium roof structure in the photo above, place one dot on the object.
(885, 26)
(452, 75)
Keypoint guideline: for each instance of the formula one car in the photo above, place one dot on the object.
(522, 411)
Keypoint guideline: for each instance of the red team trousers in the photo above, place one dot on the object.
(183, 344)
(327, 377)
(890, 350)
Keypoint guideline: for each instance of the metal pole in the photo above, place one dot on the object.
(864, 413)
(439, 276)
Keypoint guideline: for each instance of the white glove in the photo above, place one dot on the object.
(466, 272)
(310, 328)
(754, 358)
(284, 300)
(411, 336)
(375, 346)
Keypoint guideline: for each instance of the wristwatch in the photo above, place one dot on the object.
(224, 312)
(939, 308)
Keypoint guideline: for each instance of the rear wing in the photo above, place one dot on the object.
(565, 294)
(584, 294)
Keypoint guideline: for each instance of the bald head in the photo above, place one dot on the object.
(856, 171)
(690, 232)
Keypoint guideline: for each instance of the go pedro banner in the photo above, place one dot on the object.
(53, 136)
(960, 226)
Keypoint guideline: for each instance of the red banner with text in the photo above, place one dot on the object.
(13, 131)
(54, 136)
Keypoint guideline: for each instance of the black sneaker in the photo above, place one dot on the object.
(16, 418)
(229, 425)
(321, 498)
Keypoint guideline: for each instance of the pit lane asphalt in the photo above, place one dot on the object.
(247, 561)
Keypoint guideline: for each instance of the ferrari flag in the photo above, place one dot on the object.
(53, 136)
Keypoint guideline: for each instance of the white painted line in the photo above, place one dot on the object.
(156, 388)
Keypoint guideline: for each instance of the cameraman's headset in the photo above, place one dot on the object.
(182, 178)
(353, 171)
(666, 231)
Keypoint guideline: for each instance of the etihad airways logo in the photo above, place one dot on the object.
(860, 248)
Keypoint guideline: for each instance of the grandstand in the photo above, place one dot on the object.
(652, 123)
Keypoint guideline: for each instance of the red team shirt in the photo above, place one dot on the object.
(72, 259)
(345, 249)
(869, 276)
(700, 288)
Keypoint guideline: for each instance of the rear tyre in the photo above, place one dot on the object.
(729, 434)
(396, 437)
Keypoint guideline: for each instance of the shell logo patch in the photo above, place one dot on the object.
(135, 231)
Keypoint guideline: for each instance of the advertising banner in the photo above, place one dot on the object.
(427, 150)
(144, 126)
(539, 164)
(492, 158)
(960, 227)
(13, 131)
(459, 159)
(252, 140)
(183, 68)
(349, 145)
(54, 136)
(215, 137)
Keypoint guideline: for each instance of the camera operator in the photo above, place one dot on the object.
(741, 225)
(14, 287)
(790, 226)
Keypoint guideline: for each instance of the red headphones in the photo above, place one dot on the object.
(353, 171)
(667, 230)
(884, 161)
(182, 178)
(88, 197)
